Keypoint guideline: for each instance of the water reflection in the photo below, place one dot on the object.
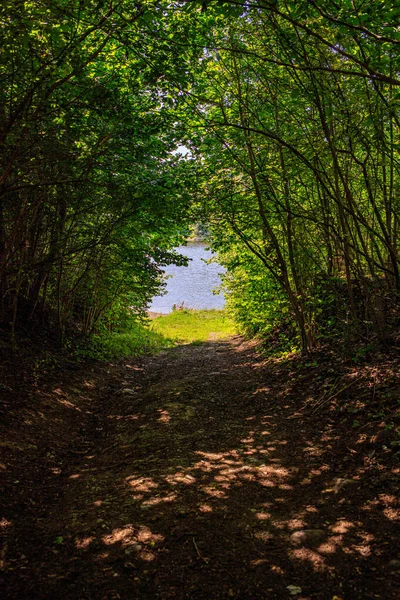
(193, 285)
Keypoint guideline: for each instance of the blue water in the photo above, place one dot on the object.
(193, 285)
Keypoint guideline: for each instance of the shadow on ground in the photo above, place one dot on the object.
(207, 472)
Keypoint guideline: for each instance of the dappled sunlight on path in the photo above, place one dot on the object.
(206, 484)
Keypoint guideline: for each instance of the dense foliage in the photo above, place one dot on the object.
(92, 197)
(299, 103)
(290, 111)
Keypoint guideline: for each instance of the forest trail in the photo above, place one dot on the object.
(198, 473)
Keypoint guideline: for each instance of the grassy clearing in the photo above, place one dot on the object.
(194, 326)
(180, 327)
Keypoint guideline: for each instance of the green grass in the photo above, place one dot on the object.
(136, 341)
(194, 326)
(179, 327)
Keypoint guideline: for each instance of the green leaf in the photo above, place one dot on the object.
(294, 590)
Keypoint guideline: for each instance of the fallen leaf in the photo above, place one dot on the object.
(294, 589)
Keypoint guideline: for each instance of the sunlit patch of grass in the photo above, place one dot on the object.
(136, 341)
(194, 326)
(180, 327)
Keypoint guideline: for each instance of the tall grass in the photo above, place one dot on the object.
(137, 340)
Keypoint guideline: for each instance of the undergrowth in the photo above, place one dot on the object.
(139, 339)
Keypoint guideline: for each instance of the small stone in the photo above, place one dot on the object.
(128, 392)
(133, 549)
(342, 482)
(307, 537)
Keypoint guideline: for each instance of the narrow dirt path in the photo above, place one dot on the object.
(197, 474)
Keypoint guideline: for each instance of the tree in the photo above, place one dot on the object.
(301, 110)
(91, 195)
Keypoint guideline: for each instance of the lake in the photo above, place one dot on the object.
(192, 285)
